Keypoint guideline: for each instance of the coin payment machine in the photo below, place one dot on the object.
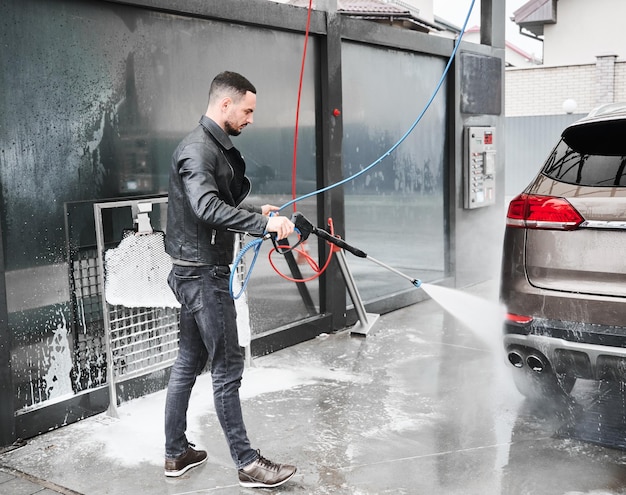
(479, 167)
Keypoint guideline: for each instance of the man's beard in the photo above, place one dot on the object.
(230, 130)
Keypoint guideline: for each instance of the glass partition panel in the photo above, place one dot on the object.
(96, 96)
(394, 211)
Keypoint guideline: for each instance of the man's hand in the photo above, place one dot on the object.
(281, 226)
(267, 209)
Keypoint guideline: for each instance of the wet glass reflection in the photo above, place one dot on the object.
(394, 212)
(102, 94)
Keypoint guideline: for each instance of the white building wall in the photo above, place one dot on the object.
(425, 7)
(620, 81)
(542, 90)
(584, 30)
(513, 56)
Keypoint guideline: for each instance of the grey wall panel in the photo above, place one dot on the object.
(529, 140)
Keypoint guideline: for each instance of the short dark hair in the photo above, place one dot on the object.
(230, 83)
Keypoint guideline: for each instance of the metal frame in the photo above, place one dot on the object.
(7, 408)
(366, 320)
(120, 323)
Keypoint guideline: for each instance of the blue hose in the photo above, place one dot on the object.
(256, 244)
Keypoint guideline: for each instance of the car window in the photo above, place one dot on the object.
(566, 165)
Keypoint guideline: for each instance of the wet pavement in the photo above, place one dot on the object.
(421, 405)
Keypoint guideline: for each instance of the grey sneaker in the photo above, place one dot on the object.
(264, 473)
(184, 462)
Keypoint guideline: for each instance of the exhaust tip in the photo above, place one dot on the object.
(516, 359)
(535, 363)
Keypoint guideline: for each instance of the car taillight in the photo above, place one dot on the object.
(521, 319)
(542, 212)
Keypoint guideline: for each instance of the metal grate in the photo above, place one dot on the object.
(142, 339)
(87, 288)
(90, 362)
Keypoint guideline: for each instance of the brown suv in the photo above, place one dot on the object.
(564, 262)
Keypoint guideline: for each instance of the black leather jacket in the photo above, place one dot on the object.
(202, 212)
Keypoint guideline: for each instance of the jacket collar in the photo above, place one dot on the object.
(216, 131)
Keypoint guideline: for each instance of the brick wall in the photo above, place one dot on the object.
(542, 90)
(620, 81)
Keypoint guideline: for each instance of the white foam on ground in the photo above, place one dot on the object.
(137, 436)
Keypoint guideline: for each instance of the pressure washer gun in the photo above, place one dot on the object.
(306, 228)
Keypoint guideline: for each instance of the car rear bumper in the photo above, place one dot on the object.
(522, 298)
(583, 350)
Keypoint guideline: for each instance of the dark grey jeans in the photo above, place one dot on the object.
(208, 330)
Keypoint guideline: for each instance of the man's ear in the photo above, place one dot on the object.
(225, 103)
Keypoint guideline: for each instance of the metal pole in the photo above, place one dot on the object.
(414, 281)
(112, 410)
(365, 323)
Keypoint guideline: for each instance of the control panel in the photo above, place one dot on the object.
(479, 167)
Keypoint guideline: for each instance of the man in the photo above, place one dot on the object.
(206, 193)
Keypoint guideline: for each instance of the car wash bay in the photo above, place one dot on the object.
(422, 405)
(98, 93)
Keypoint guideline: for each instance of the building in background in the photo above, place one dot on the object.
(416, 15)
(583, 61)
(584, 66)
(514, 55)
(574, 31)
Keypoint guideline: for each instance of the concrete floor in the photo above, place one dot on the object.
(421, 405)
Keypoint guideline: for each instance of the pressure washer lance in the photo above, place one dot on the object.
(306, 228)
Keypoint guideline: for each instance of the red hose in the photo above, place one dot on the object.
(294, 166)
(309, 259)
